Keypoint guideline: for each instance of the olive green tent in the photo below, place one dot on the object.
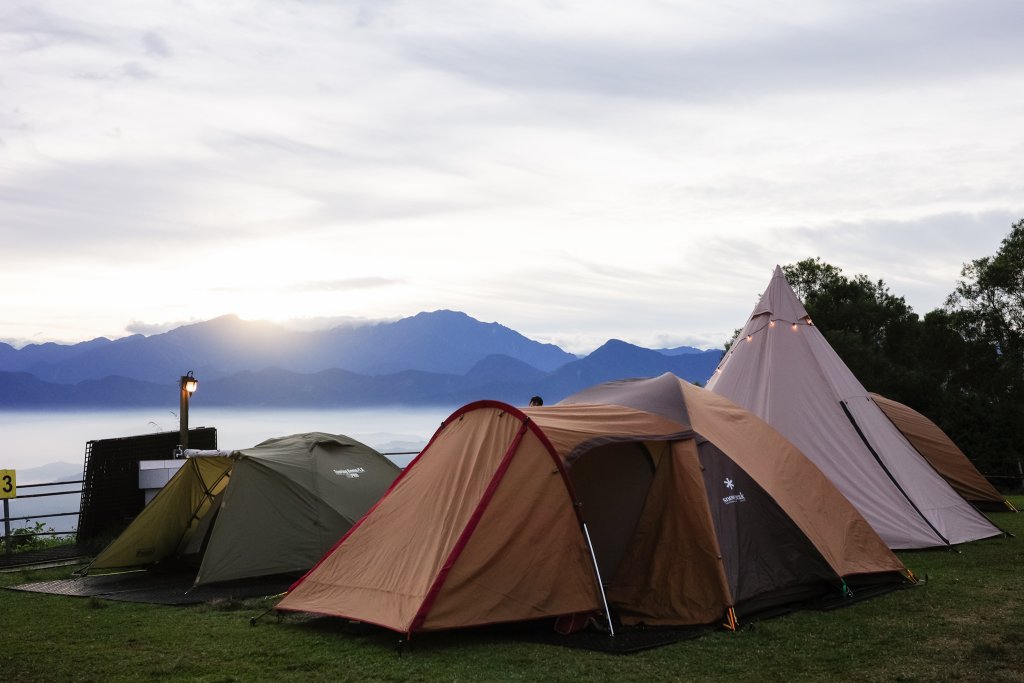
(272, 509)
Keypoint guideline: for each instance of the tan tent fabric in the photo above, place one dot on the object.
(782, 369)
(386, 566)
(573, 428)
(523, 566)
(939, 450)
(612, 484)
(839, 532)
(813, 502)
(485, 525)
(673, 571)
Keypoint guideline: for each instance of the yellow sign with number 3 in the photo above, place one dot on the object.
(8, 484)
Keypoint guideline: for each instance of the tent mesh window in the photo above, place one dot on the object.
(111, 496)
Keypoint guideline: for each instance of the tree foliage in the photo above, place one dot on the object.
(986, 312)
(987, 306)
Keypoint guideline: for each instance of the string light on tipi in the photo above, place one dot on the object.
(750, 337)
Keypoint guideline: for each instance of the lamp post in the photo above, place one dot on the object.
(189, 384)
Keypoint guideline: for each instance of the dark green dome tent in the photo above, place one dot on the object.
(271, 509)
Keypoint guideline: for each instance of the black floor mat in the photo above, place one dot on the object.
(626, 640)
(637, 638)
(157, 588)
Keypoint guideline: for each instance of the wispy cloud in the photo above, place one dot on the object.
(155, 45)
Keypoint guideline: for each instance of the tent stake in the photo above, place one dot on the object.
(253, 620)
(600, 584)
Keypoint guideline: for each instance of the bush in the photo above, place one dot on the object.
(35, 537)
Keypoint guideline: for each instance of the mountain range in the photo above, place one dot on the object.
(435, 358)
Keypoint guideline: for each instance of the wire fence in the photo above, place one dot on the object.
(24, 535)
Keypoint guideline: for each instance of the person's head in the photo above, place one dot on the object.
(536, 401)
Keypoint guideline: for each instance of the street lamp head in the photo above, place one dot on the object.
(189, 383)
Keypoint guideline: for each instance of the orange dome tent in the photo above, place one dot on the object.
(699, 514)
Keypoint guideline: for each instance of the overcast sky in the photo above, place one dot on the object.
(577, 171)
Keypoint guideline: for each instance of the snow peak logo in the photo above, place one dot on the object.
(734, 498)
(351, 474)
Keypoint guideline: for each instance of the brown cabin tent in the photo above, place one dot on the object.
(781, 368)
(944, 455)
(519, 514)
(271, 509)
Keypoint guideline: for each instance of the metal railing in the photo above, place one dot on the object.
(1008, 483)
(9, 538)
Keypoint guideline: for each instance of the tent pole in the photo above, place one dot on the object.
(600, 584)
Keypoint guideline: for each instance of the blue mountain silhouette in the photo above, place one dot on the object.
(437, 358)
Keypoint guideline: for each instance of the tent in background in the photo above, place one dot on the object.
(944, 455)
(512, 515)
(781, 368)
(271, 509)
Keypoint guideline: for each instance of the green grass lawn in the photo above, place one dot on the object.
(966, 623)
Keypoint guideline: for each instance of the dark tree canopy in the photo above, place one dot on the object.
(986, 311)
(987, 306)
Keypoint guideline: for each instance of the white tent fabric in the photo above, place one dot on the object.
(782, 369)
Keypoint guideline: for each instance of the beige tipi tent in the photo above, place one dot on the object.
(511, 515)
(944, 455)
(782, 369)
(271, 509)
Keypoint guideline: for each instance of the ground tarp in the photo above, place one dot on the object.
(160, 588)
